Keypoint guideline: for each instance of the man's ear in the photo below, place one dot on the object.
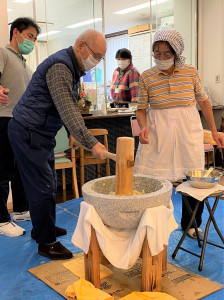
(15, 32)
(80, 44)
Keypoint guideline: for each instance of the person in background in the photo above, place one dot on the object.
(14, 78)
(124, 88)
(171, 139)
(50, 101)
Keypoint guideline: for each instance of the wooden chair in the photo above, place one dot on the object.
(135, 130)
(208, 148)
(62, 162)
(86, 158)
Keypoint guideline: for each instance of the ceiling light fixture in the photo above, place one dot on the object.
(9, 10)
(22, 1)
(90, 21)
(47, 33)
(138, 7)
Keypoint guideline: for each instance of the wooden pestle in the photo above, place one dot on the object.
(124, 164)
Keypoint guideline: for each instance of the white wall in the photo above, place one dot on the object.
(4, 36)
(184, 23)
(211, 47)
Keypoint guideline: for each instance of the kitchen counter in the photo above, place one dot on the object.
(98, 115)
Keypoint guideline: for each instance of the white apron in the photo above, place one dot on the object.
(175, 144)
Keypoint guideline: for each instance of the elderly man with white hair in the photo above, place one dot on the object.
(50, 101)
(171, 139)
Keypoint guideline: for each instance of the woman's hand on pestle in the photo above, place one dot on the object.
(97, 150)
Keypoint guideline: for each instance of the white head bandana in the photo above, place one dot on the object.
(175, 40)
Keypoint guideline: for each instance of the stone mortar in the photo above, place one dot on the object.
(126, 211)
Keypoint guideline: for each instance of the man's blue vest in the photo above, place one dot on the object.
(36, 109)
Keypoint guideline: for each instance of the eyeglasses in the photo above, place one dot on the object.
(165, 55)
(98, 57)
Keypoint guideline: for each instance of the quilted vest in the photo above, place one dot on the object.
(36, 109)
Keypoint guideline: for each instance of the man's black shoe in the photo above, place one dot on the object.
(54, 251)
(59, 232)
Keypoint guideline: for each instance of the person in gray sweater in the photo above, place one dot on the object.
(15, 75)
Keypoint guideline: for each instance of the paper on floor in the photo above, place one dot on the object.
(76, 266)
(148, 296)
(84, 290)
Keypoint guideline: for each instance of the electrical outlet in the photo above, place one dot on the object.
(217, 78)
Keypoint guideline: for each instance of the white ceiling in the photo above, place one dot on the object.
(114, 23)
(63, 13)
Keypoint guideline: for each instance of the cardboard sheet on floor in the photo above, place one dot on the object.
(76, 266)
(179, 283)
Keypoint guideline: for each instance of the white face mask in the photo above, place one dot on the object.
(123, 64)
(164, 64)
(90, 62)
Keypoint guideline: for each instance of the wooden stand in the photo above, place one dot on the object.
(152, 266)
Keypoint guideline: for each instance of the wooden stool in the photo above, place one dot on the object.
(152, 266)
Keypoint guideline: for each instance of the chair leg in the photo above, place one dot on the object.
(207, 154)
(98, 170)
(74, 182)
(82, 180)
(107, 167)
(63, 180)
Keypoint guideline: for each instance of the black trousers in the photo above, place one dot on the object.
(185, 215)
(9, 172)
(34, 154)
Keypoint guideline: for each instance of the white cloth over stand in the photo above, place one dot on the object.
(122, 247)
(199, 194)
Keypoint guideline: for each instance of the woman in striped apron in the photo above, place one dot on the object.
(171, 139)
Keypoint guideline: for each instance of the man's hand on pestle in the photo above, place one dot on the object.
(98, 149)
